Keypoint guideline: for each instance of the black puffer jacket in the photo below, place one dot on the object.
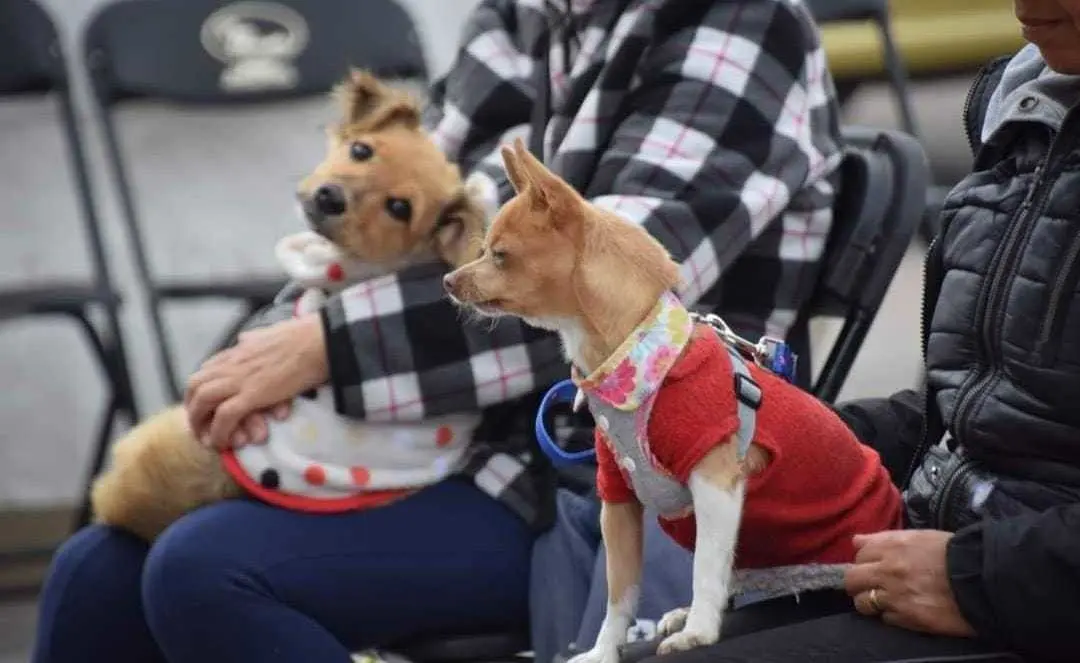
(1003, 358)
(1004, 346)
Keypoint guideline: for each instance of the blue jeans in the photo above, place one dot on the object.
(569, 578)
(243, 582)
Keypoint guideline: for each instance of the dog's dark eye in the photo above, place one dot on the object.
(360, 151)
(499, 258)
(399, 208)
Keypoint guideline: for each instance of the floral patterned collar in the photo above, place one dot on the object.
(634, 372)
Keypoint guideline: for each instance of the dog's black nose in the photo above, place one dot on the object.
(329, 199)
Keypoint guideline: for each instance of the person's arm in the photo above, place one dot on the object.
(734, 116)
(1017, 580)
(730, 116)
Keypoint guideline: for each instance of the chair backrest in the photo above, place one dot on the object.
(32, 64)
(29, 49)
(204, 146)
(884, 178)
(209, 51)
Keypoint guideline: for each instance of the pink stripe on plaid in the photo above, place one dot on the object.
(431, 396)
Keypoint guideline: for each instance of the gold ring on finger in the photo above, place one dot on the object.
(874, 602)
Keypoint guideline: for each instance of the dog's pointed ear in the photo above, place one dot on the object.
(547, 189)
(459, 232)
(370, 104)
(513, 167)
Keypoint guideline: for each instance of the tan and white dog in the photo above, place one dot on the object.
(384, 197)
(782, 495)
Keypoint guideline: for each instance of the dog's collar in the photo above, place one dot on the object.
(639, 365)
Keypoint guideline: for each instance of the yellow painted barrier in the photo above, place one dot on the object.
(934, 37)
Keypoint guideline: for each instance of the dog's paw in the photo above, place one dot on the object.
(673, 621)
(687, 639)
(598, 654)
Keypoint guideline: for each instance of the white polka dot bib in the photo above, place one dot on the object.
(318, 460)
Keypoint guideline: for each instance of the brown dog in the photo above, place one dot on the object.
(384, 197)
(744, 469)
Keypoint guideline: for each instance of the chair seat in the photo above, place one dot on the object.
(478, 648)
(257, 290)
(56, 297)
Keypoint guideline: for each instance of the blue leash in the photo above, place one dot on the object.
(563, 392)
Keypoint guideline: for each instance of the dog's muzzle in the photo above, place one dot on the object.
(323, 206)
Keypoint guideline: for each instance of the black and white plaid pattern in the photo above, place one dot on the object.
(711, 123)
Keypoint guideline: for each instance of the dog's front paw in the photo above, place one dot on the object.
(688, 638)
(673, 621)
(598, 654)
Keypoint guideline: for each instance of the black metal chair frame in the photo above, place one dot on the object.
(256, 292)
(877, 11)
(74, 299)
(881, 203)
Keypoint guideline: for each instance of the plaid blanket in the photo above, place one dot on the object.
(711, 123)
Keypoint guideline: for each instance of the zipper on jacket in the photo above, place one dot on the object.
(966, 113)
(1000, 272)
(941, 509)
(925, 314)
(1066, 276)
(995, 275)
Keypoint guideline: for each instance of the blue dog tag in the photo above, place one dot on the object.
(778, 358)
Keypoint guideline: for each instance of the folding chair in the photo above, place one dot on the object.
(828, 11)
(881, 201)
(33, 64)
(190, 54)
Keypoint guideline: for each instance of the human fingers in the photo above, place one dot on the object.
(282, 410)
(226, 419)
(204, 399)
(861, 578)
(253, 428)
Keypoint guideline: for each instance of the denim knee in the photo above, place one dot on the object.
(192, 575)
(90, 606)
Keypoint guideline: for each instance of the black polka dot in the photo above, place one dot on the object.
(270, 479)
(310, 394)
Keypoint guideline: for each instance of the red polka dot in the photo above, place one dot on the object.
(360, 475)
(334, 272)
(315, 475)
(444, 436)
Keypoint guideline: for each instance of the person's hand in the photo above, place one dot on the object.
(265, 368)
(905, 573)
(253, 428)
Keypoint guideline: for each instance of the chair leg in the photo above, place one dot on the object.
(898, 77)
(97, 462)
(113, 361)
(164, 349)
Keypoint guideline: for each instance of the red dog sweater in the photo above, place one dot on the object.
(821, 486)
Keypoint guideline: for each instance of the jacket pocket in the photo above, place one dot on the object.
(1062, 293)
